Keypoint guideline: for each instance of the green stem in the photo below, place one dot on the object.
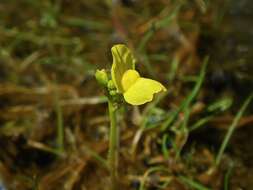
(60, 125)
(113, 146)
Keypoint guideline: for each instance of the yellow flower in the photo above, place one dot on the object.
(135, 89)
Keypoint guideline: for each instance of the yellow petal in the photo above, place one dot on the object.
(123, 60)
(129, 78)
(142, 91)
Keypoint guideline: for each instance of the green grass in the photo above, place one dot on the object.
(192, 184)
(232, 128)
(188, 100)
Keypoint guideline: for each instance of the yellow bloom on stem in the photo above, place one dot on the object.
(135, 89)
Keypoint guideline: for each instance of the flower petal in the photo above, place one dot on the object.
(129, 78)
(142, 91)
(123, 60)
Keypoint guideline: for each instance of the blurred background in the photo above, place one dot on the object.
(54, 123)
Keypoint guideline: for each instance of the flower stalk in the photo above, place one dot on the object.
(113, 146)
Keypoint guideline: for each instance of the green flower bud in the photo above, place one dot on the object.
(110, 85)
(101, 77)
(113, 92)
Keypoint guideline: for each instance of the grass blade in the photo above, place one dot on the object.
(232, 128)
(190, 97)
(192, 184)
